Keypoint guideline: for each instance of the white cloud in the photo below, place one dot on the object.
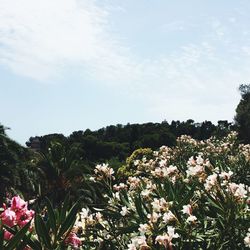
(39, 39)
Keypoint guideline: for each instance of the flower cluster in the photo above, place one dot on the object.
(166, 239)
(178, 198)
(247, 239)
(191, 196)
(103, 171)
(73, 240)
(17, 214)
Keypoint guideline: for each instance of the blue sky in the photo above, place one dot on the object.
(69, 65)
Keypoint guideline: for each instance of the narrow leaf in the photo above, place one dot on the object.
(16, 239)
(51, 215)
(42, 231)
(69, 221)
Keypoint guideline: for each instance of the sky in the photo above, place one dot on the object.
(68, 65)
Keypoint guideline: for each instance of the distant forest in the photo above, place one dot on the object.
(56, 162)
(116, 143)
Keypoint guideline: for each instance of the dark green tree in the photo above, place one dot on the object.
(16, 173)
(242, 118)
(64, 169)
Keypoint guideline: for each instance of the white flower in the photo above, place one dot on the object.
(157, 172)
(159, 204)
(84, 213)
(166, 239)
(187, 209)
(131, 246)
(211, 181)
(134, 182)
(104, 169)
(156, 205)
(191, 219)
(199, 160)
(153, 217)
(172, 169)
(169, 216)
(195, 171)
(92, 178)
(241, 192)
(226, 175)
(247, 239)
(171, 233)
(136, 162)
(238, 190)
(116, 196)
(120, 186)
(163, 163)
(138, 241)
(124, 211)
(144, 228)
(99, 217)
(191, 161)
(145, 193)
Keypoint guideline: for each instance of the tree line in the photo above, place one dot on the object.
(52, 164)
(119, 141)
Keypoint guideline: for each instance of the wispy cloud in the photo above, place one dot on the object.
(39, 39)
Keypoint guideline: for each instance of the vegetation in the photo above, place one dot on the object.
(120, 188)
(16, 168)
(242, 117)
(118, 142)
(191, 196)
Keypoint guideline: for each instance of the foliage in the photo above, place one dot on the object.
(192, 196)
(63, 168)
(54, 228)
(51, 229)
(121, 140)
(242, 117)
(58, 164)
(16, 170)
(130, 167)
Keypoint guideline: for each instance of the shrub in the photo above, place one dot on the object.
(192, 196)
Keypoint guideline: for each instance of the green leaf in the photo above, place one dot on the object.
(23, 244)
(124, 198)
(212, 201)
(126, 230)
(31, 240)
(1, 238)
(139, 208)
(64, 209)
(16, 239)
(34, 243)
(42, 231)
(188, 196)
(70, 220)
(51, 216)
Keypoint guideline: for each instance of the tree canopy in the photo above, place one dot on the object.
(242, 118)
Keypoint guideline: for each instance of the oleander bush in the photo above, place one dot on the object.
(22, 228)
(191, 196)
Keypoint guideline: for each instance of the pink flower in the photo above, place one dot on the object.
(24, 216)
(7, 235)
(73, 240)
(8, 217)
(18, 203)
